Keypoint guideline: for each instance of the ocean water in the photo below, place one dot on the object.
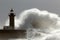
(40, 25)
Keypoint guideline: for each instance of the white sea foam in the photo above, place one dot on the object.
(40, 25)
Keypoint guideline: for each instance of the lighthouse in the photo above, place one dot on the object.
(11, 19)
(9, 31)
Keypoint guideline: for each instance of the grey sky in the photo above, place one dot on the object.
(20, 5)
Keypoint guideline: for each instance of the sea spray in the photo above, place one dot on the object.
(40, 25)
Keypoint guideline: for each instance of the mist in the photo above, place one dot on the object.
(35, 21)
